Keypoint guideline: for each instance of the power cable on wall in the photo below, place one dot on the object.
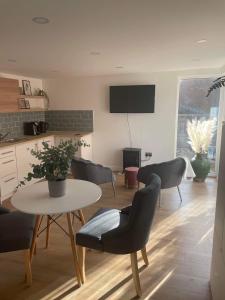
(129, 130)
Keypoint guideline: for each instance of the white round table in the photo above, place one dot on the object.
(35, 200)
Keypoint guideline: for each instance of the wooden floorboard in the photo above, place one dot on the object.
(179, 253)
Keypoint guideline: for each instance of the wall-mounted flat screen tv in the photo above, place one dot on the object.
(132, 99)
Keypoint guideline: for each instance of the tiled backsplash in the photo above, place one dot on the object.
(13, 122)
(78, 120)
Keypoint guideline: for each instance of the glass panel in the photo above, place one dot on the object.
(193, 103)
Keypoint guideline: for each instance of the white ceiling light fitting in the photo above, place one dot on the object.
(95, 53)
(40, 20)
(202, 41)
(11, 60)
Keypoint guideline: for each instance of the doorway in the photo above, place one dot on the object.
(193, 104)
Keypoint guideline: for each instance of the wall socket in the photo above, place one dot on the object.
(148, 154)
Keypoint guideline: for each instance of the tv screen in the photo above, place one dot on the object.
(132, 99)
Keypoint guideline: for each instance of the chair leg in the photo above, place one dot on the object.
(47, 232)
(114, 189)
(134, 266)
(160, 198)
(80, 213)
(179, 194)
(144, 255)
(81, 259)
(28, 267)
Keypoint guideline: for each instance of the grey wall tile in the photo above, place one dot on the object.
(78, 120)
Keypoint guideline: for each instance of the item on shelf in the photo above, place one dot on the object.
(27, 104)
(22, 103)
(41, 93)
(26, 88)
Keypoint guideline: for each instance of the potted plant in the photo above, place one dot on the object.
(54, 164)
(200, 133)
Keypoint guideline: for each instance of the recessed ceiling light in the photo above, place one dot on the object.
(202, 41)
(40, 20)
(95, 53)
(119, 67)
(12, 60)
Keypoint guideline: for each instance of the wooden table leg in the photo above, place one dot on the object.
(47, 232)
(38, 220)
(81, 216)
(74, 250)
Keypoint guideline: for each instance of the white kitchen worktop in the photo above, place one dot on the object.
(28, 138)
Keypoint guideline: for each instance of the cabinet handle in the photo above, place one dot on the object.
(8, 161)
(10, 179)
(7, 152)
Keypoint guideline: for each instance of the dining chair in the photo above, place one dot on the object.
(87, 170)
(16, 233)
(124, 231)
(170, 172)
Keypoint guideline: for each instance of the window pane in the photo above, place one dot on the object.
(193, 103)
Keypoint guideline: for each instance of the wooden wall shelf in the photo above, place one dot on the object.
(31, 97)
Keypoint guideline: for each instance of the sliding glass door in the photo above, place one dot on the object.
(193, 104)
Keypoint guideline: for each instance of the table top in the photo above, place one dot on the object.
(35, 199)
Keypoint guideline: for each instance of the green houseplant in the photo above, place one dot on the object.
(200, 133)
(54, 164)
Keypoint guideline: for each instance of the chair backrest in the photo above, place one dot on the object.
(170, 172)
(86, 170)
(135, 234)
(79, 168)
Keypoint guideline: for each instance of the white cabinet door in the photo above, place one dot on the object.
(84, 152)
(8, 185)
(50, 140)
(25, 160)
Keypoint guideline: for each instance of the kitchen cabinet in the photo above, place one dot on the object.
(50, 140)
(8, 172)
(83, 152)
(25, 159)
(9, 94)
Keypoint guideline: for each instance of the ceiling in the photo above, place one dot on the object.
(98, 37)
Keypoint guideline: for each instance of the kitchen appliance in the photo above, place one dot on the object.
(31, 128)
(43, 126)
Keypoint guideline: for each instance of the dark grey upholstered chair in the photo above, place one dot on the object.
(16, 233)
(170, 173)
(86, 170)
(123, 231)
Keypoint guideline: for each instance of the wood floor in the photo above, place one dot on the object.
(179, 253)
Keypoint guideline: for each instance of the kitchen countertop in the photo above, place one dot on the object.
(28, 138)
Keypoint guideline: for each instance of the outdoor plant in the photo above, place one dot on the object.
(54, 161)
(217, 84)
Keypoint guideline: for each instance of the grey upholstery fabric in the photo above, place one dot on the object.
(87, 170)
(122, 231)
(170, 172)
(16, 231)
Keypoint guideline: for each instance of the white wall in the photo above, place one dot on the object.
(151, 132)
